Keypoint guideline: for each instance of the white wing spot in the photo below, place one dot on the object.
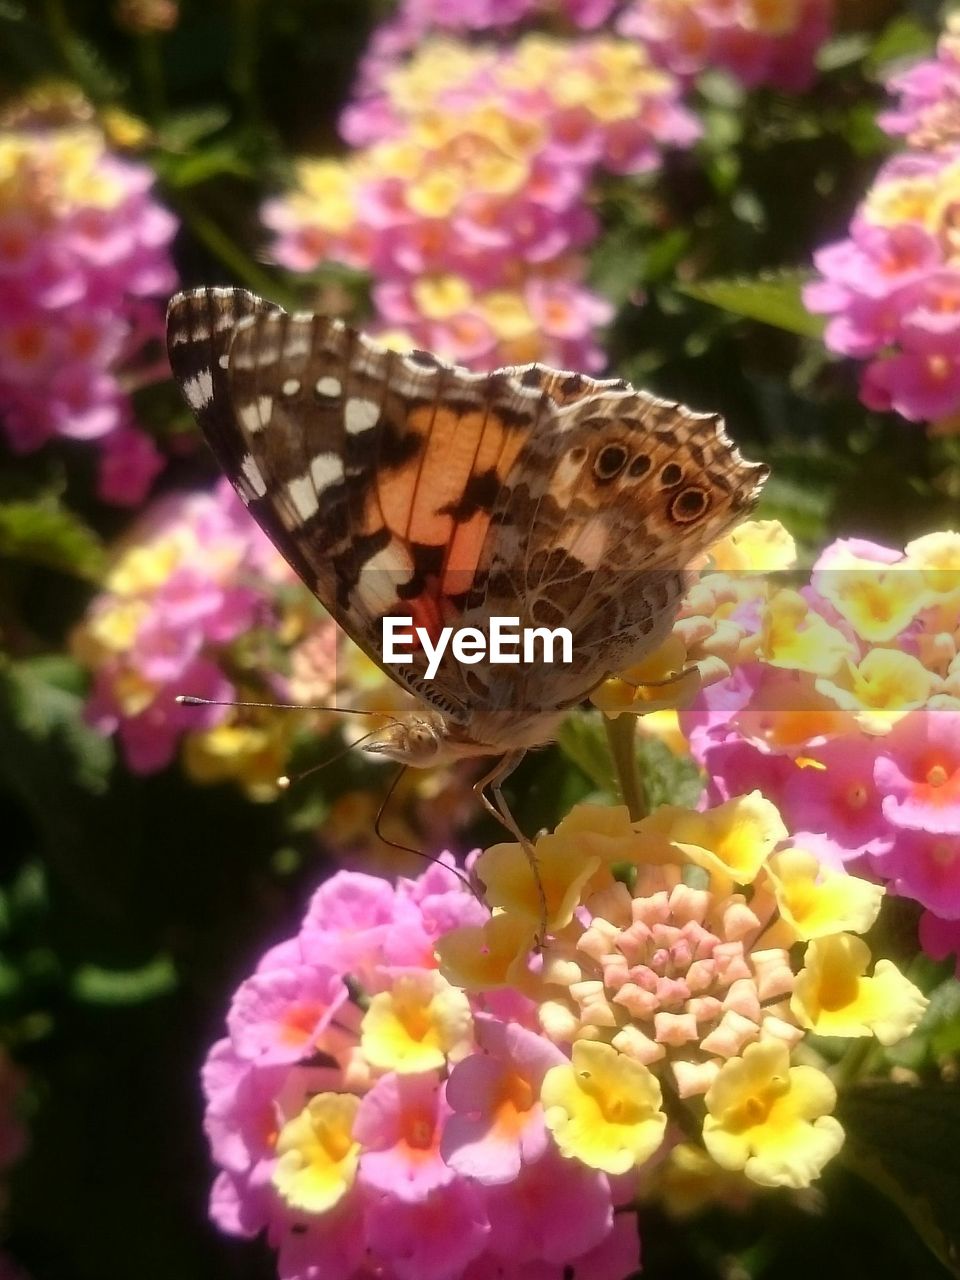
(303, 495)
(328, 387)
(360, 415)
(291, 387)
(255, 486)
(224, 360)
(325, 470)
(249, 415)
(199, 390)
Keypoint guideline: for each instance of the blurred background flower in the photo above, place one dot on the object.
(85, 266)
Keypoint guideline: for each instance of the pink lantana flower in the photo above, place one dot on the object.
(399, 1125)
(919, 772)
(497, 1122)
(430, 1239)
(280, 1016)
(832, 804)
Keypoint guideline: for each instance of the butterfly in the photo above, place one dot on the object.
(396, 485)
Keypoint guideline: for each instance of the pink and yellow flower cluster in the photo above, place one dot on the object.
(844, 709)
(891, 290)
(373, 1119)
(759, 42)
(83, 257)
(467, 199)
(377, 1112)
(181, 609)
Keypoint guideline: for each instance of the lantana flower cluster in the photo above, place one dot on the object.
(891, 290)
(467, 199)
(844, 709)
(757, 42)
(379, 1114)
(182, 612)
(197, 602)
(84, 254)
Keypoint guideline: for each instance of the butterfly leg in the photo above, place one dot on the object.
(656, 684)
(500, 810)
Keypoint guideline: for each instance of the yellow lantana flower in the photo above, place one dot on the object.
(815, 901)
(760, 545)
(877, 602)
(730, 840)
(603, 1108)
(317, 1154)
(770, 1119)
(883, 688)
(420, 1023)
(795, 636)
(586, 842)
(494, 954)
(833, 997)
(659, 682)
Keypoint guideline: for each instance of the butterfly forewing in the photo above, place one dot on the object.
(397, 485)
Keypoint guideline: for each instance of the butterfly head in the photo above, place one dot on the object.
(418, 740)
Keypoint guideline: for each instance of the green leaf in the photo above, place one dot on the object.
(668, 779)
(582, 739)
(905, 1142)
(903, 37)
(938, 1034)
(219, 159)
(47, 731)
(843, 50)
(184, 129)
(773, 299)
(95, 985)
(43, 532)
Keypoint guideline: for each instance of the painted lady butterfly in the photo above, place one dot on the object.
(396, 485)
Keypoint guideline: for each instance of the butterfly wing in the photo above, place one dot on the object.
(396, 485)
(373, 473)
(596, 531)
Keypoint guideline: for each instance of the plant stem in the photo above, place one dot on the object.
(851, 1065)
(65, 42)
(151, 73)
(230, 254)
(621, 736)
(243, 63)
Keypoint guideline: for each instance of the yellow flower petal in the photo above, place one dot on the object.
(833, 997)
(494, 954)
(420, 1023)
(730, 840)
(770, 1119)
(317, 1155)
(795, 636)
(816, 901)
(760, 545)
(603, 1108)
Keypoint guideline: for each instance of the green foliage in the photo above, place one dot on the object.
(47, 746)
(44, 532)
(773, 299)
(903, 1140)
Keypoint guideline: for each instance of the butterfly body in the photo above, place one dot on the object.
(399, 486)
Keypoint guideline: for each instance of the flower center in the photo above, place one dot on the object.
(937, 775)
(857, 796)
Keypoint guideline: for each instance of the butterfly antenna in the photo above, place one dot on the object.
(284, 782)
(188, 700)
(405, 848)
